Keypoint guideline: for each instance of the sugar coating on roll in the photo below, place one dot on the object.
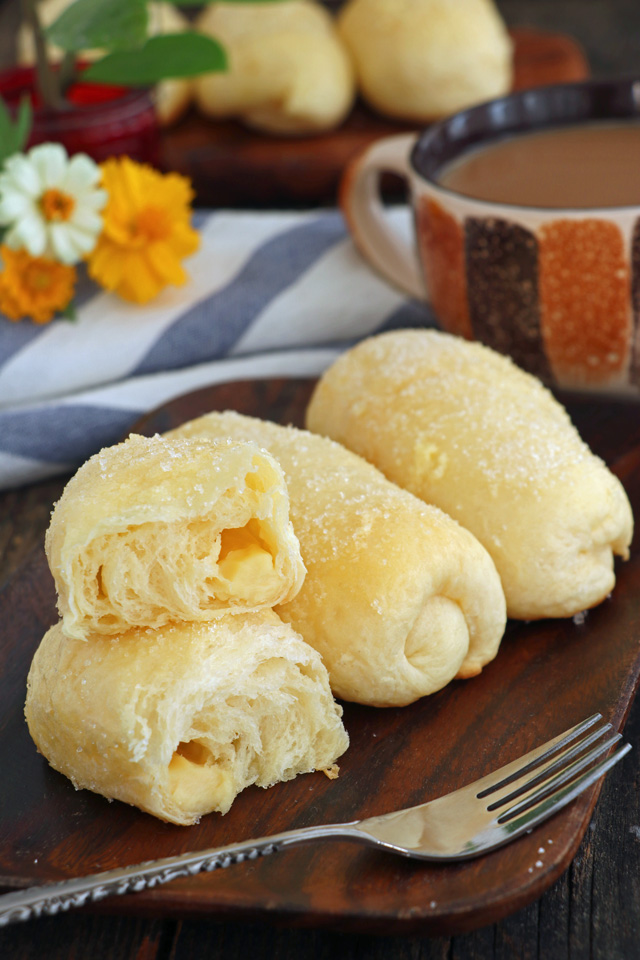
(462, 427)
(150, 531)
(398, 598)
(179, 720)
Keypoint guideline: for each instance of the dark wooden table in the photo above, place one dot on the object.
(592, 912)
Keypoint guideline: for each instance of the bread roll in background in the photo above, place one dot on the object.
(151, 530)
(289, 72)
(398, 598)
(178, 721)
(463, 428)
(423, 59)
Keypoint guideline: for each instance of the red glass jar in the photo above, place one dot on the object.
(101, 120)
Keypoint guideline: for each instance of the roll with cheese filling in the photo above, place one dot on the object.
(398, 598)
(177, 721)
(150, 531)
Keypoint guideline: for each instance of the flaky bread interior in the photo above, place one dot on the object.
(179, 720)
(462, 427)
(398, 598)
(150, 531)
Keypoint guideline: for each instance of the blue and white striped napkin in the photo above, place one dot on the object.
(270, 294)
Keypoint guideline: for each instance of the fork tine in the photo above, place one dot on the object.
(506, 775)
(562, 797)
(566, 774)
(559, 762)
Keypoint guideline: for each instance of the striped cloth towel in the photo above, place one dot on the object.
(270, 294)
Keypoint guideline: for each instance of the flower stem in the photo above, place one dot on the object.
(46, 77)
(67, 72)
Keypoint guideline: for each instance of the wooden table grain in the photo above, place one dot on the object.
(593, 910)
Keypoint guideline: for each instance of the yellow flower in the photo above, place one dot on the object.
(34, 287)
(146, 232)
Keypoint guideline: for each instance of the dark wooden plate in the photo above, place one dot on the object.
(230, 165)
(546, 677)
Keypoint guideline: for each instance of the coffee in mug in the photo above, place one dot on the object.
(527, 226)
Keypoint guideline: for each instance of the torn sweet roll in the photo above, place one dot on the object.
(398, 598)
(179, 720)
(150, 531)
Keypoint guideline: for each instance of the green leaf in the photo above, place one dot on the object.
(7, 136)
(14, 133)
(70, 312)
(102, 24)
(24, 120)
(171, 55)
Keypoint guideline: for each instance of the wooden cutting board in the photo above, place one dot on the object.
(231, 166)
(546, 677)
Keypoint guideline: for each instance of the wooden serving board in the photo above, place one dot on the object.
(232, 166)
(547, 676)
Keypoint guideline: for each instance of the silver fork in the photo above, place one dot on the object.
(479, 817)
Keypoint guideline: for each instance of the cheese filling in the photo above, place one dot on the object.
(246, 565)
(195, 779)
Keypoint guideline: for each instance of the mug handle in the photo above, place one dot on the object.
(364, 212)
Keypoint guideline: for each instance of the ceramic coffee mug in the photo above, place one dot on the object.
(558, 289)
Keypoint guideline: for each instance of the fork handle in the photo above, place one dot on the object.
(53, 898)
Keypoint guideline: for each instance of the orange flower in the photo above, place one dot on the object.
(146, 232)
(34, 287)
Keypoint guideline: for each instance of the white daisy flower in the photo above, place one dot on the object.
(51, 203)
